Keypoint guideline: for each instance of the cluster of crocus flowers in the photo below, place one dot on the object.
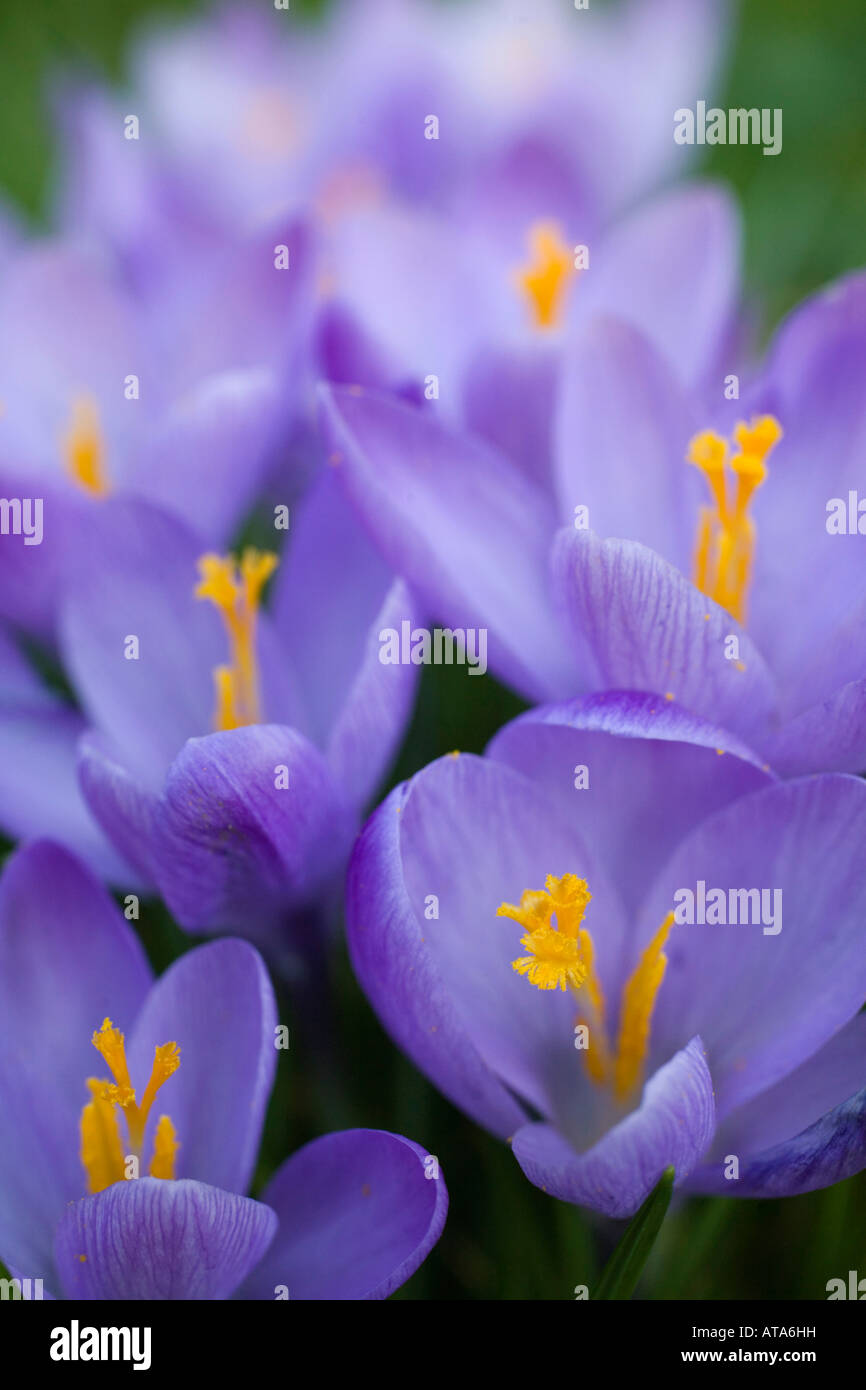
(500, 444)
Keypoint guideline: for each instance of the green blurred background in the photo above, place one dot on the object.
(804, 214)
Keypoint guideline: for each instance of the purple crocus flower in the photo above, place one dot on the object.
(737, 592)
(230, 750)
(178, 396)
(133, 1110)
(521, 924)
(481, 321)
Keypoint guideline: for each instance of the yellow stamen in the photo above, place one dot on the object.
(84, 449)
(638, 1002)
(726, 536)
(562, 956)
(545, 280)
(165, 1147)
(102, 1151)
(236, 592)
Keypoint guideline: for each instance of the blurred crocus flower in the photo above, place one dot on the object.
(521, 924)
(133, 1111)
(231, 750)
(480, 316)
(179, 397)
(480, 106)
(735, 587)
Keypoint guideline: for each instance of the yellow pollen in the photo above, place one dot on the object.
(725, 541)
(557, 955)
(236, 592)
(545, 280)
(84, 449)
(102, 1149)
(562, 956)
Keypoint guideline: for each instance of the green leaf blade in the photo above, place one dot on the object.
(625, 1266)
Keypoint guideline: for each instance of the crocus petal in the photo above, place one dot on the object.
(31, 575)
(133, 205)
(813, 384)
(160, 1240)
(250, 824)
(634, 149)
(67, 958)
(424, 324)
(814, 364)
(460, 524)
(334, 595)
(673, 1126)
(244, 307)
(149, 705)
(40, 1170)
(368, 731)
(121, 805)
(509, 399)
(623, 428)
(396, 971)
(39, 792)
(834, 1074)
(830, 1150)
(652, 771)
(671, 269)
(207, 459)
(217, 1004)
(649, 628)
(359, 1212)
(327, 591)
(828, 737)
(767, 995)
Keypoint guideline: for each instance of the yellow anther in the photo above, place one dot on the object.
(236, 592)
(755, 443)
(708, 451)
(554, 962)
(562, 956)
(725, 542)
(111, 1045)
(557, 954)
(545, 280)
(83, 448)
(166, 1060)
(165, 1147)
(102, 1148)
